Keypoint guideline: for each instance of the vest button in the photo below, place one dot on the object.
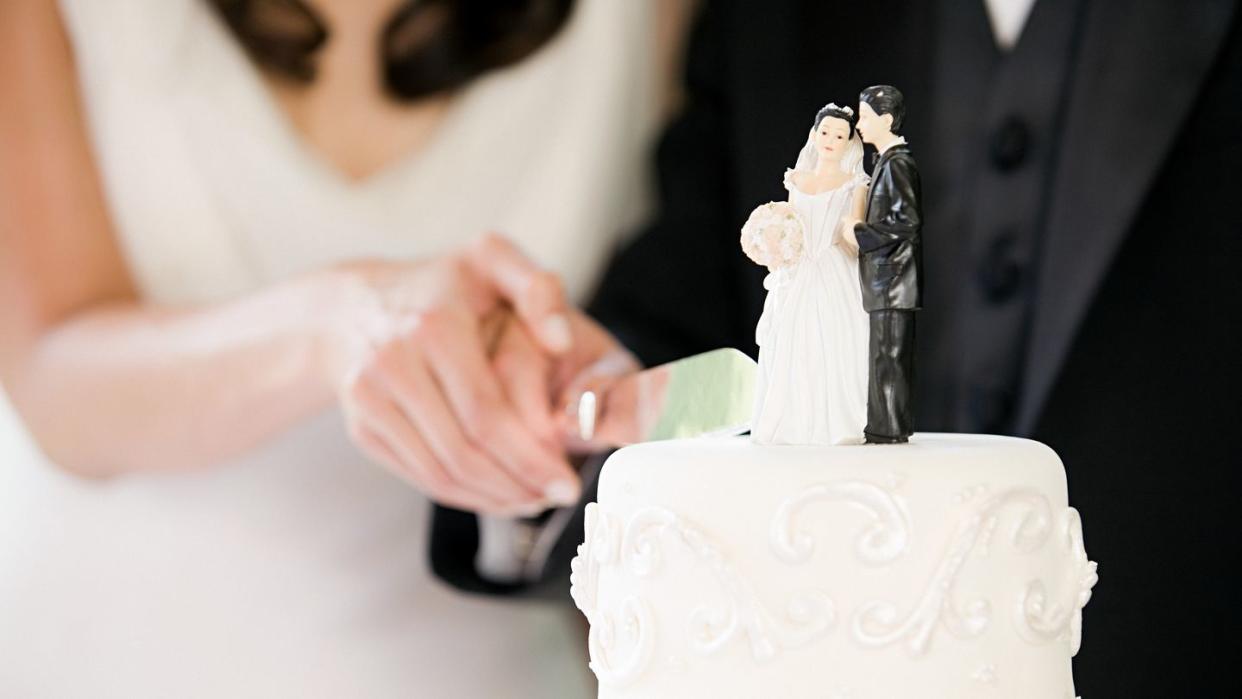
(1010, 143)
(1000, 271)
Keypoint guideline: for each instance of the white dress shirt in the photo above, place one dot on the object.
(1007, 18)
(895, 142)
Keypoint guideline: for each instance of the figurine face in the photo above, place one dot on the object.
(872, 126)
(831, 138)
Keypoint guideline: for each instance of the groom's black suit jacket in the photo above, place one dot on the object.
(891, 251)
(1126, 259)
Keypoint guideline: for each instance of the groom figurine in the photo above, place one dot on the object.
(890, 261)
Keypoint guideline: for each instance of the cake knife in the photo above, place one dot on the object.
(708, 394)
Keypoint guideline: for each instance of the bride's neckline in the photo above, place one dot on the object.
(294, 141)
(793, 183)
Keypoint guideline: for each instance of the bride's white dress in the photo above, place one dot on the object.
(813, 334)
(299, 570)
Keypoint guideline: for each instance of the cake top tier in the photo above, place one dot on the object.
(939, 455)
(951, 566)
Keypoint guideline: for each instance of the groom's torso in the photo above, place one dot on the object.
(891, 276)
(1036, 165)
(1081, 254)
(1070, 190)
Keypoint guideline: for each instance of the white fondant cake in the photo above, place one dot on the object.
(949, 567)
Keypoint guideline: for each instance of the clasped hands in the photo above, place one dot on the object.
(847, 240)
(454, 372)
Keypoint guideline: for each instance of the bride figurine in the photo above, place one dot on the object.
(813, 332)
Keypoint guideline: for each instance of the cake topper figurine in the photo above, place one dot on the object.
(836, 336)
(812, 335)
(890, 261)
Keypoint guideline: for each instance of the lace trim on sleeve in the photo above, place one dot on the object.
(789, 183)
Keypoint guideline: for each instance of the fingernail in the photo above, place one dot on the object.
(562, 492)
(556, 332)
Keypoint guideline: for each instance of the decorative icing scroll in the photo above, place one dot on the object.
(883, 541)
(986, 674)
(631, 628)
(623, 640)
(599, 547)
(807, 614)
(1040, 620)
(880, 624)
(805, 617)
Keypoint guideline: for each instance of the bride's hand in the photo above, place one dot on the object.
(415, 382)
(847, 239)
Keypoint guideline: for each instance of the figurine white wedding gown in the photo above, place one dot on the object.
(813, 332)
(300, 569)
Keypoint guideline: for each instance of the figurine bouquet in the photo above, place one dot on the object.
(773, 235)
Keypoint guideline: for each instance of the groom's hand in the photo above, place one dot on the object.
(541, 385)
(418, 390)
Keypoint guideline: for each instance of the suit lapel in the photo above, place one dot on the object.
(1116, 134)
(879, 163)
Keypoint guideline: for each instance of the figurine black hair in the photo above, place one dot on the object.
(845, 114)
(886, 99)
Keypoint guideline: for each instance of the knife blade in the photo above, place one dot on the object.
(708, 394)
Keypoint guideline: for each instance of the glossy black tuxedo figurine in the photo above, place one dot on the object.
(890, 261)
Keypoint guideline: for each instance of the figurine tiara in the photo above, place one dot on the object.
(833, 105)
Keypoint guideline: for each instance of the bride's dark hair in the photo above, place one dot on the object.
(428, 46)
(832, 110)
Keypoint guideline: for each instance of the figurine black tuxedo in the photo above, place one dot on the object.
(890, 261)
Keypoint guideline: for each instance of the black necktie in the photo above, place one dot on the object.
(875, 159)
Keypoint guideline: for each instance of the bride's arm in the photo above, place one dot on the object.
(858, 207)
(105, 383)
(793, 177)
(108, 384)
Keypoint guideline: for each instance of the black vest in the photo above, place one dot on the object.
(995, 139)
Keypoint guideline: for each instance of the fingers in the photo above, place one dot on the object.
(596, 362)
(428, 399)
(446, 493)
(377, 426)
(524, 373)
(489, 422)
(536, 294)
(494, 326)
(406, 376)
(596, 353)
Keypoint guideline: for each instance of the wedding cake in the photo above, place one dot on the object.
(948, 567)
(801, 562)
